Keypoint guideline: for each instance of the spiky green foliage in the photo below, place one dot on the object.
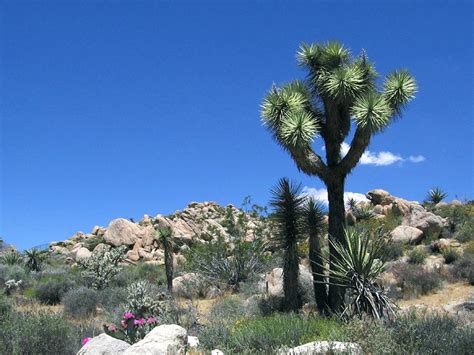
(435, 195)
(357, 268)
(287, 203)
(363, 213)
(11, 258)
(35, 258)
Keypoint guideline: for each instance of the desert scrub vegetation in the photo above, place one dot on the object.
(417, 256)
(450, 255)
(414, 280)
(80, 302)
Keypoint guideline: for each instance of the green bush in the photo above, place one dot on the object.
(80, 302)
(417, 256)
(91, 243)
(13, 272)
(39, 334)
(112, 299)
(5, 307)
(464, 268)
(450, 255)
(465, 232)
(266, 333)
(414, 280)
(52, 291)
(431, 333)
(457, 215)
(411, 333)
(393, 250)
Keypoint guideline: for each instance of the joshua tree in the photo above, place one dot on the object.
(163, 236)
(339, 89)
(288, 203)
(313, 216)
(34, 259)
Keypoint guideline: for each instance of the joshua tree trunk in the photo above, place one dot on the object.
(168, 265)
(292, 300)
(336, 233)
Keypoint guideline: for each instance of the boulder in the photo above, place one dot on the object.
(80, 254)
(406, 234)
(193, 342)
(133, 254)
(148, 236)
(274, 281)
(325, 347)
(104, 344)
(217, 352)
(98, 230)
(162, 340)
(378, 197)
(401, 207)
(101, 248)
(184, 285)
(122, 232)
(432, 225)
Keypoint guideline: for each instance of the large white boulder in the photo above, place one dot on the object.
(104, 344)
(325, 347)
(166, 339)
(274, 281)
(123, 232)
(379, 197)
(431, 224)
(406, 234)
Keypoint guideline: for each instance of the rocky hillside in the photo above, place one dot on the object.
(199, 222)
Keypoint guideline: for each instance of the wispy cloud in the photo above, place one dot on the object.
(381, 158)
(322, 195)
(416, 158)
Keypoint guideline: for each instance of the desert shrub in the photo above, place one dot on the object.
(417, 256)
(5, 307)
(465, 232)
(80, 302)
(393, 250)
(112, 299)
(266, 333)
(218, 261)
(142, 299)
(411, 333)
(450, 255)
(464, 268)
(432, 333)
(414, 280)
(91, 243)
(11, 258)
(469, 248)
(38, 333)
(152, 273)
(457, 215)
(52, 291)
(101, 268)
(228, 310)
(13, 272)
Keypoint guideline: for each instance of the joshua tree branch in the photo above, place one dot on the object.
(309, 162)
(358, 145)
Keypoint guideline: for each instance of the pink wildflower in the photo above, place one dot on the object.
(139, 321)
(85, 340)
(123, 324)
(112, 328)
(128, 315)
(151, 320)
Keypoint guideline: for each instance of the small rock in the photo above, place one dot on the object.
(326, 347)
(193, 342)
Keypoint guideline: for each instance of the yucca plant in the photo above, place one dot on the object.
(363, 213)
(357, 267)
(435, 195)
(351, 203)
(11, 258)
(313, 217)
(34, 259)
(339, 89)
(287, 204)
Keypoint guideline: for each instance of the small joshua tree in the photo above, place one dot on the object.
(100, 268)
(288, 204)
(163, 236)
(340, 92)
(34, 259)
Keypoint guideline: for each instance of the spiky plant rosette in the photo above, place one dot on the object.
(358, 264)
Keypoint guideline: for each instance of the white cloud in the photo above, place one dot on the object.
(322, 195)
(381, 158)
(416, 158)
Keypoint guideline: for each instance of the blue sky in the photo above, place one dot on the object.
(116, 109)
